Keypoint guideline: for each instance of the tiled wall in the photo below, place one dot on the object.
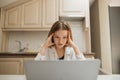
(0, 38)
(36, 39)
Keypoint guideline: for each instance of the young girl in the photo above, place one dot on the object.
(59, 44)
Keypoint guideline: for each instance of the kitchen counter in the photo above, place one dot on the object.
(23, 77)
(32, 54)
(17, 54)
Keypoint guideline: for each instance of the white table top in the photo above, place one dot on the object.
(22, 77)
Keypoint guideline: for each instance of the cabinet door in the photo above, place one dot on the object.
(31, 14)
(10, 65)
(50, 12)
(12, 17)
(72, 7)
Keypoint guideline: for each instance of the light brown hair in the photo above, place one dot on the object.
(60, 25)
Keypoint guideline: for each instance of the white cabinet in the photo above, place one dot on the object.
(50, 12)
(72, 7)
(34, 14)
(11, 65)
(75, 8)
(12, 17)
(31, 14)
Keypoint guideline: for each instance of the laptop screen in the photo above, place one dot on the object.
(62, 70)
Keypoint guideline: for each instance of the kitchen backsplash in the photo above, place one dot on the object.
(0, 38)
(34, 39)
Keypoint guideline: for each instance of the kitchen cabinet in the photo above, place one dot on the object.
(72, 7)
(31, 14)
(76, 8)
(12, 17)
(11, 65)
(50, 12)
(34, 14)
(14, 63)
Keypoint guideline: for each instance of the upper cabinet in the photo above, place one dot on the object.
(50, 12)
(76, 8)
(31, 14)
(72, 7)
(12, 18)
(41, 14)
(34, 14)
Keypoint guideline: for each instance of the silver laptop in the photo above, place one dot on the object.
(62, 70)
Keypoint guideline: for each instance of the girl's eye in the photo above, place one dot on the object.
(56, 37)
(64, 37)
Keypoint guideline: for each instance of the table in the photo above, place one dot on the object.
(22, 77)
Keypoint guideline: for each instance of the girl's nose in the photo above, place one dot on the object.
(60, 41)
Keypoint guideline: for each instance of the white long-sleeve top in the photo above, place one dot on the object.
(51, 54)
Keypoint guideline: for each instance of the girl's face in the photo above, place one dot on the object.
(60, 38)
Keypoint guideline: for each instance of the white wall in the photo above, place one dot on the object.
(0, 31)
(95, 30)
(101, 33)
(36, 39)
(115, 38)
(105, 35)
(102, 22)
(0, 38)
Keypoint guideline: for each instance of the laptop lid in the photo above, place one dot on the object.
(62, 70)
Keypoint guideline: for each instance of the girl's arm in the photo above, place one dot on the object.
(79, 55)
(42, 53)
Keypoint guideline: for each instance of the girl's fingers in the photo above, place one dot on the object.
(68, 35)
(51, 35)
(50, 43)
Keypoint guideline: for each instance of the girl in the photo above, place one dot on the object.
(59, 44)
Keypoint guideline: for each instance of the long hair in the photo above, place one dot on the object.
(60, 25)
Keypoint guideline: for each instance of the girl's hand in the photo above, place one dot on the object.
(46, 45)
(70, 42)
(48, 41)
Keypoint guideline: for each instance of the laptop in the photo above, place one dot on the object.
(62, 70)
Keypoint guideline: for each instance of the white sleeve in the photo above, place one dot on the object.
(80, 56)
(40, 57)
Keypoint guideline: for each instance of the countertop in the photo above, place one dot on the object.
(32, 54)
(23, 77)
(17, 54)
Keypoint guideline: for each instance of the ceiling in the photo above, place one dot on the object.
(6, 2)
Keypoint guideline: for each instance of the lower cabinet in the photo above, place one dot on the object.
(12, 65)
(15, 65)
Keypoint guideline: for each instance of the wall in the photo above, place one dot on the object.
(36, 39)
(0, 30)
(101, 33)
(100, 25)
(0, 38)
(115, 38)
(95, 30)
(105, 35)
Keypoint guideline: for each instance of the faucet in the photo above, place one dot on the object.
(20, 44)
